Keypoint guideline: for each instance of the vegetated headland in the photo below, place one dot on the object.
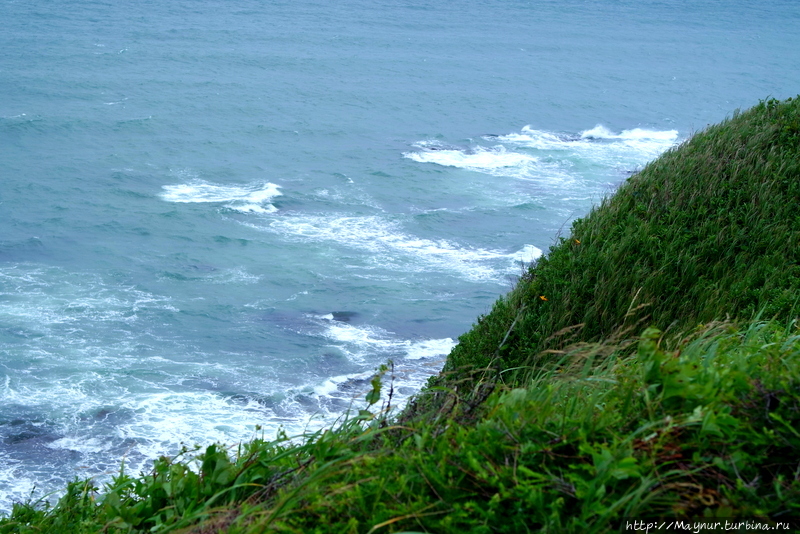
(648, 366)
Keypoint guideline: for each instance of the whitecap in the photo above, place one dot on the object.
(480, 159)
(635, 134)
(528, 254)
(429, 348)
(332, 386)
(401, 381)
(415, 360)
(387, 244)
(250, 198)
(496, 161)
(599, 145)
(360, 341)
(538, 139)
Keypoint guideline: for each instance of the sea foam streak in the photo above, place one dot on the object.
(540, 155)
(358, 341)
(415, 360)
(528, 254)
(637, 134)
(387, 244)
(479, 159)
(496, 161)
(598, 144)
(253, 198)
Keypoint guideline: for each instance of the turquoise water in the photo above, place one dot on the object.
(217, 215)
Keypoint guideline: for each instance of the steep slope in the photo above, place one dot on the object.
(570, 407)
(709, 230)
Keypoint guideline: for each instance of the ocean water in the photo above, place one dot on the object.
(217, 215)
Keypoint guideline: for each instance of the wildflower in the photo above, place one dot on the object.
(577, 241)
(542, 297)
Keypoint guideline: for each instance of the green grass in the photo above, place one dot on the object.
(708, 426)
(629, 374)
(709, 230)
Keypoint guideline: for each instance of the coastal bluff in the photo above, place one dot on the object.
(648, 366)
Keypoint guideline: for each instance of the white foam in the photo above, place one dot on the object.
(234, 276)
(387, 244)
(294, 296)
(359, 341)
(250, 198)
(163, 421)
(16, 482)
(403, 381)
(599, 145)
(628, 149)
(55, 396)
(598, 132)
(430, 348)
(601, 132)
(156, 424)
(331, 386)
(81, 444)
(538, 139)
(528, 254)
(495, 161)
(253, 208)
(481, 159)
(55, 297)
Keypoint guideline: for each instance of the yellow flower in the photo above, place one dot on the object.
(577, 241)
(542, 297)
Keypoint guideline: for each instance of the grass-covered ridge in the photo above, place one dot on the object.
(708, 230)
(623, 377)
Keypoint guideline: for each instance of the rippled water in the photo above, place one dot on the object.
(217, 215)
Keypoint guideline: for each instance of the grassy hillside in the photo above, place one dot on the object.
(625, 376)
(709, 230)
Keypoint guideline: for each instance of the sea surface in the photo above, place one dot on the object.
(217, 216)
